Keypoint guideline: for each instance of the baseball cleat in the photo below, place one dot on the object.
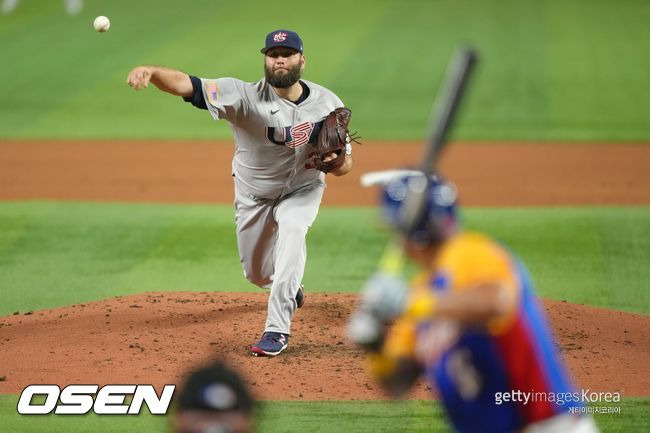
(271, 344)
(300, 296)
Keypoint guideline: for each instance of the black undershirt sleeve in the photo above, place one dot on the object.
(197, 98)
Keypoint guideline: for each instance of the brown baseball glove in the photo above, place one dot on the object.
(331, 140)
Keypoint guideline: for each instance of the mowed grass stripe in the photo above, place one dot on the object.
(59, 253)
(313, 416)
(551, 70)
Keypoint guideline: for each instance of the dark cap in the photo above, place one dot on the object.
(215, 388)
(283, 38)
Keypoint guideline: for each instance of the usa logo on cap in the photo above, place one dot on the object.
(282, 38)
(279, 37)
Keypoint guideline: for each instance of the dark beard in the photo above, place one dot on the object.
(285, 80)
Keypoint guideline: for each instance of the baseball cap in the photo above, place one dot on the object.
(282, 38)
(215, 388)
(422, 207)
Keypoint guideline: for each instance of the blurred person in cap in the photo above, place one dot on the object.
(213, 399)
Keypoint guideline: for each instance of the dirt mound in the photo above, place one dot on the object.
(606, 350)
(156, 337)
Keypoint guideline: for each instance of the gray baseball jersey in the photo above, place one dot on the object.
(271, 134)
(276, 197)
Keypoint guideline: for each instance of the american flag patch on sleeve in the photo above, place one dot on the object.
(211, 90)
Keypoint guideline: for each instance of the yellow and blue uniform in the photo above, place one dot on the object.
(514, 352)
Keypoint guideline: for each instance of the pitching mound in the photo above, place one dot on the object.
(156, 337)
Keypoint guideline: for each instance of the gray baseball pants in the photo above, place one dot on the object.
(271, 237)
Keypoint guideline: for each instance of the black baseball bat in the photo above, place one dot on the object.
(454, 84)
(444, 109)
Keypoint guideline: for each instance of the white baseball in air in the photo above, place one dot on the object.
(101, 24)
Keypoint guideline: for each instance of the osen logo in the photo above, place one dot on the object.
(81, 399)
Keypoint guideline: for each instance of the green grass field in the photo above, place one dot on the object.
(550, 70)
(281, 417)
(58, 253)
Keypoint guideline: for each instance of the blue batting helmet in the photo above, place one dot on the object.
(421, 207)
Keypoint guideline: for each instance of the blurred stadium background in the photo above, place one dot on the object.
(550, 70)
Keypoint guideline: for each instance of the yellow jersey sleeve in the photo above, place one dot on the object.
(466, 261)
(470, 260)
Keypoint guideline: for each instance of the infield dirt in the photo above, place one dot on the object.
(487, 174)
